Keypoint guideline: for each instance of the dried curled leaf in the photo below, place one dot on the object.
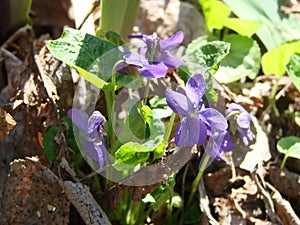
(7, 122)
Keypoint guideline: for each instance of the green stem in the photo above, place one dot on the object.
(169, 206)
(197, 180)
(110, 98)
(169, 128)
(283, 161)
(274, 90)
(109, 117)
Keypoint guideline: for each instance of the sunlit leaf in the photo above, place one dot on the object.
(241, 26)
(160, 108)
(202, 55)
(83, 52)
(276, 27)
(274, 61)
(243, 59)
(132, 153)
(215, 13)
(205, 53)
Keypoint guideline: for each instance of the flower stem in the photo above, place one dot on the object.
(197, 180)
(169, 128)
(283, 161)
(110, 98)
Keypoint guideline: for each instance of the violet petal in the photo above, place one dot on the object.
(227, 144)
(188, 132)
(214, 145)
(243, 120)
(172, 41)
(214, 119)
(95, 124)
(102, 156)
(178, 102)
(79, 118)
(153, 71)
(170, 60)
(195, 89)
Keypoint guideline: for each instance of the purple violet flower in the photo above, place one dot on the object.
(154, 60)
(196, 123)
(237, 113)
(93, 129)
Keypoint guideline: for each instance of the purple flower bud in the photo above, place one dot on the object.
(93, 129)
(237, 113)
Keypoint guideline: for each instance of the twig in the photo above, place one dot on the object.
(80, 196)
(84, 202)
(267, 200)
(204, 203)
(94, 5)
(284, 208)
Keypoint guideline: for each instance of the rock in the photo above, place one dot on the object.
(166, 17)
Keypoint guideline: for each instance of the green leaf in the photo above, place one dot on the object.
(147, 113)
(202, 55)
(139, 119)
(215, 13)
(130, 82)
(243, 60)
(50, 145)
(241, 26)
(162, 194)
(132, 154)
(290, 146)
(111, 36)
(157, 132)
(160, 108)
(293, 69)
(273, 62)
(276, 27)
(193, 215)
(141, 126)
(160, 149)
(83, 52)
(205, 53)
(118, 16)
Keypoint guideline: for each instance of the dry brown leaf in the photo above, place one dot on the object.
(32, 195)
(258, 152)
(7, 122)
